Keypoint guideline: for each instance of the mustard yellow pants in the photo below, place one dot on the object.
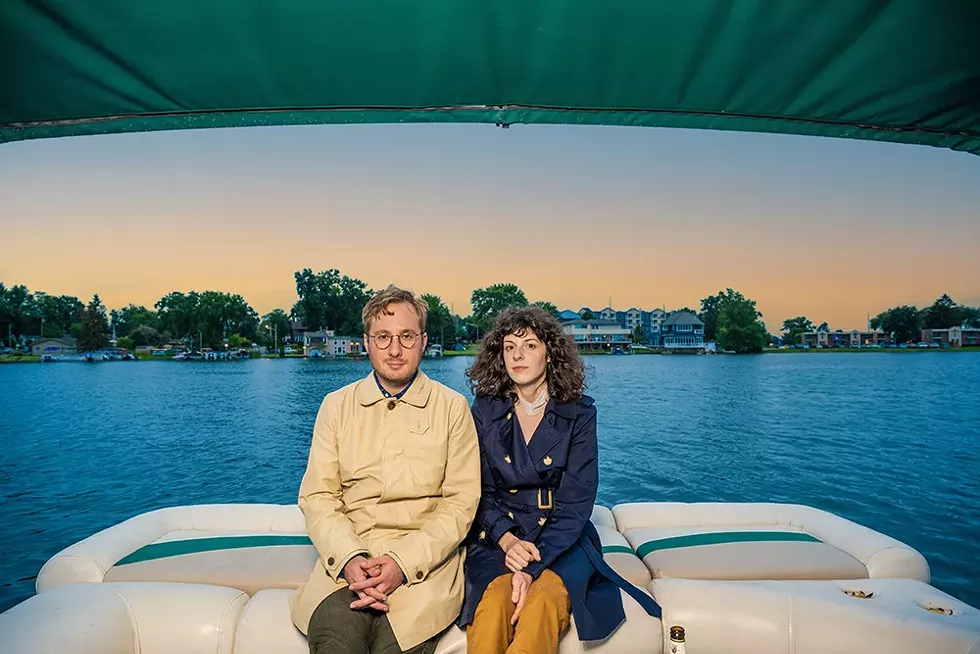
(542, 621)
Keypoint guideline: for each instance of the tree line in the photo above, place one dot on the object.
(903, 323)
(331, 300)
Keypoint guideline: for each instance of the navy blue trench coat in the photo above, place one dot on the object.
(544, 492)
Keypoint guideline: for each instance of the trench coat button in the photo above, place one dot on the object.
(541, 521)
(509, 414)
(483, 535)
(510, 515)
(513, 490)
(507, 459)
(419, 575)
(330, 561)
(547, 460)
(391, 404)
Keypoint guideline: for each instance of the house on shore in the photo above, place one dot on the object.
(58, 346)
(682, 332)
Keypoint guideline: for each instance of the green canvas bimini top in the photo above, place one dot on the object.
(899, 70)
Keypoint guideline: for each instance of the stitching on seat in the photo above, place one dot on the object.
(224, 615)
(98, 565)
(792, 623)
(132, 618)
(246, 613)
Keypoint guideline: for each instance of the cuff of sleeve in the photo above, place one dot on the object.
(535, 568)
(335, 564)
(412, 574)
(501, 527)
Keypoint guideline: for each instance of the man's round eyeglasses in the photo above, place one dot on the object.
(407, 340)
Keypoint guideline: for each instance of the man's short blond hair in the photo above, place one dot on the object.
(378, 305)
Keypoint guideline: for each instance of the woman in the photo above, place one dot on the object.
(533, 555)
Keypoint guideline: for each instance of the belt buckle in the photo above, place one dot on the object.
(551, 500)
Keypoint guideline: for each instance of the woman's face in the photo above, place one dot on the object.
(525, 358)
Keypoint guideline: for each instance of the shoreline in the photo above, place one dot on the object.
(8, 359)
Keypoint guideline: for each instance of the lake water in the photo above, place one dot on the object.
(891, 441)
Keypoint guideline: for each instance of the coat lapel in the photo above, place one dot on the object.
(556, 426)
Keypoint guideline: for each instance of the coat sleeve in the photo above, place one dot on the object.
(493, 520)
(321, 499)
(575, 497)
(440, 535)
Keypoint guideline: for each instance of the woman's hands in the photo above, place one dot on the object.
(521, 584)
(519, 553)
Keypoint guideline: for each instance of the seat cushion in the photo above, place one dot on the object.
(124, 618)
(265, 627)
(741, 553)
(249, 562)
(620, 556)
(870, 616)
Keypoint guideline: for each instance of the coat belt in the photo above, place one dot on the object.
(541, 498)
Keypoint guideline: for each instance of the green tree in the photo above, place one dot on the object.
(638, 335)
(210, 317)
(51, 315)
(237, 341)
(330, 300)
(70, 310)
(794, 328)
(587, 315)
(709, 315)
(130, 317)
(94, 333)
(824, 327)
(903, 323)
(489, 302)
(547, 306)
(739, 327)
(684, 310)
(276, 321)
(177, 314)
(16, 309)
(971, 316)
(146, 335)
(439, 321)
(126, 343)
(943, 314)
(221, 314)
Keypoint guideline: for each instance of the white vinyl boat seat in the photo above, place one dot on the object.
(178, 618)
(870, 616)
(249, 562)
(741, 553)
(760, 541)
(247, 547)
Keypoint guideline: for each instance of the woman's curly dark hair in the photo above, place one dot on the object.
(565, 372)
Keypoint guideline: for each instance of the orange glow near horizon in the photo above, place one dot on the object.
(830, 230)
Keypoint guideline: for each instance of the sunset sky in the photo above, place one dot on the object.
(830, 229)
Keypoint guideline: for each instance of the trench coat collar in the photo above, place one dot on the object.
(499, 406)
(417, 394)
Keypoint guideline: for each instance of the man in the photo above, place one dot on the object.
(390, 491)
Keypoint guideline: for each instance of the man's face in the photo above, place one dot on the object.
(396, 364)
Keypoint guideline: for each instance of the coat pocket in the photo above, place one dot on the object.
(425, 455)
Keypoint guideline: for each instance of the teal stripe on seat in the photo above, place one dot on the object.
(617, 549)
(721, 537)
(197, 545)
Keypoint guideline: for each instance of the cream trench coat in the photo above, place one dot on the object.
(397, 477)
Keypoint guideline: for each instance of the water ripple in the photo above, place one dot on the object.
(890, 441)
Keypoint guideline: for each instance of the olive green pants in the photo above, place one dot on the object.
(336, 628)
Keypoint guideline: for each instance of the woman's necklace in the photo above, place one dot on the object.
(530, 408)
